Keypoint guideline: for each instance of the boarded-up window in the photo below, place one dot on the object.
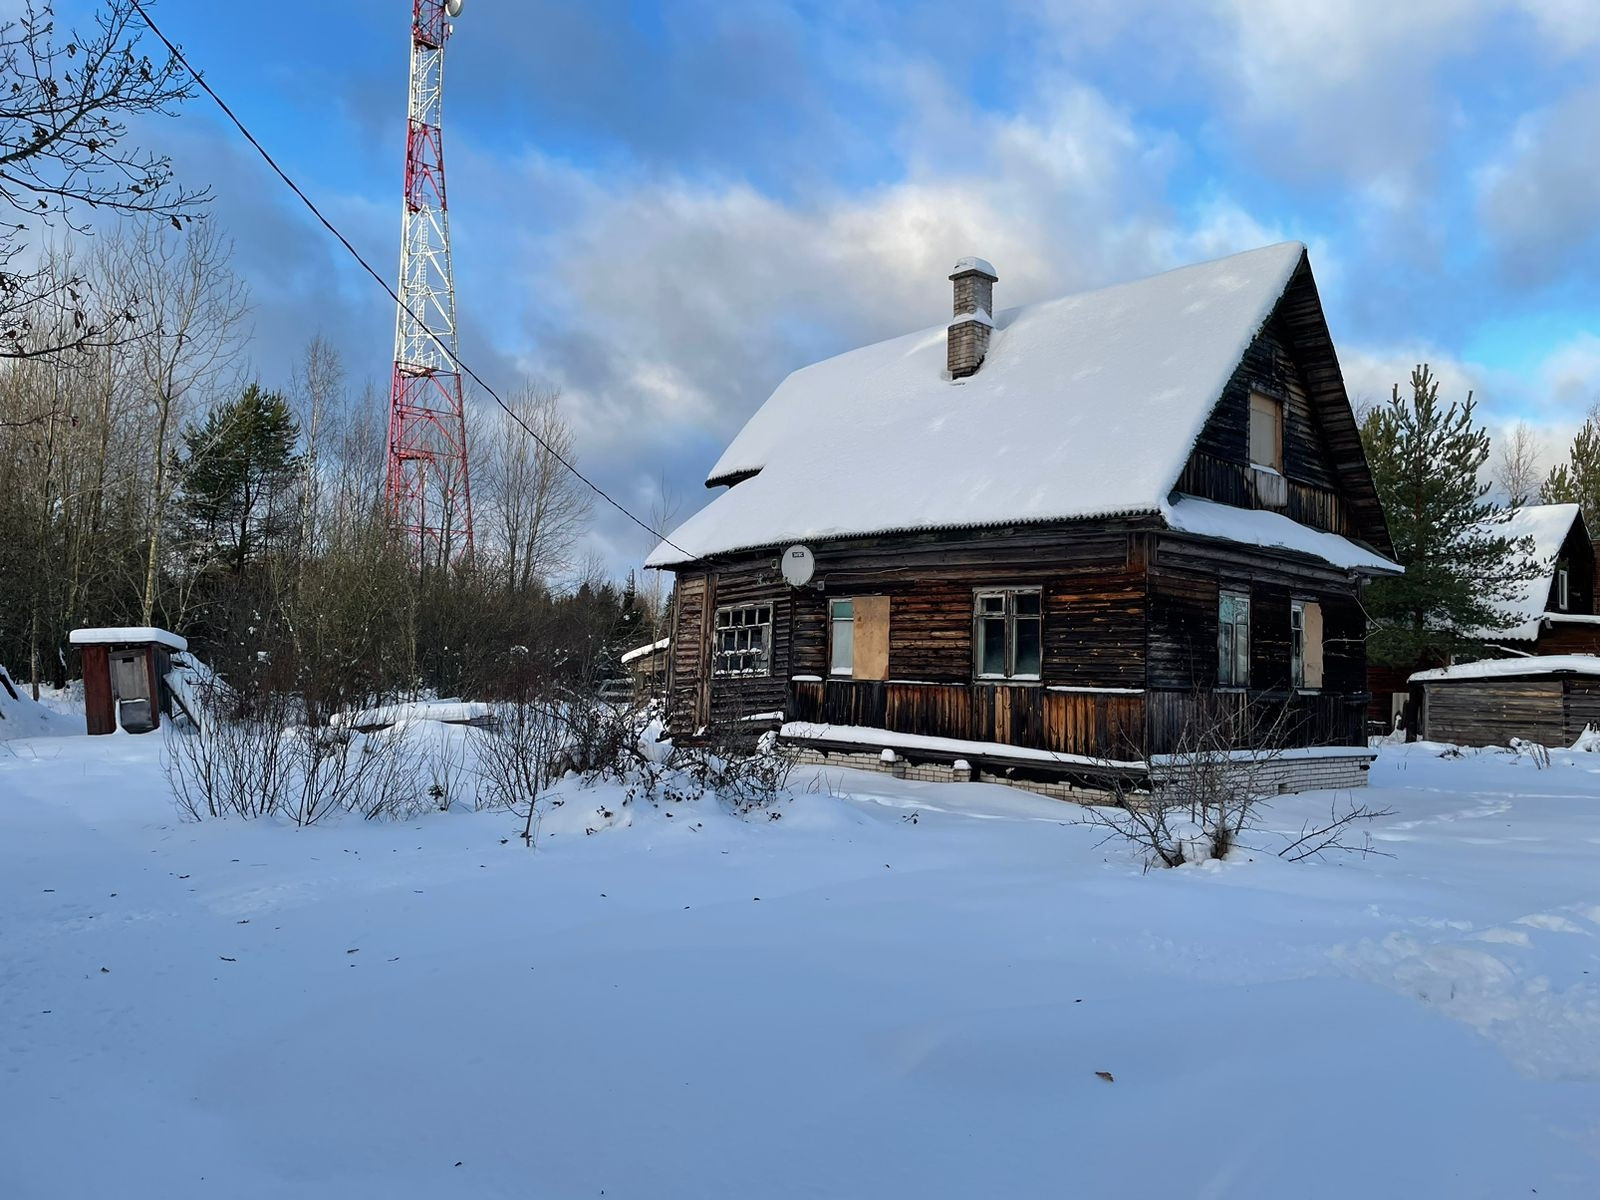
(872, 637)
(1305, 631)
(1266, 431)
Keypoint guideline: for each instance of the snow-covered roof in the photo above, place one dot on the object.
(1257, 527)
(1085, 406)
(639, 652)
(126, 635)
(1548, 526)
(1537, 664)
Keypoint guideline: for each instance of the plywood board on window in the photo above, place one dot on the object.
(1312, 639)
(871, 659)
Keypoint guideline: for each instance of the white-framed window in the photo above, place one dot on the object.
(1233, 640)
(1007, 634)
(1266, 431)
(744, 640)
(1563, 588)
(841, 637)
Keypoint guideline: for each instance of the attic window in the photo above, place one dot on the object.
(1266, 431)
(1563, 587)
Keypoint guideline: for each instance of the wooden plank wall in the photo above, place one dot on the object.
(1095, 724)
(99, 708)
(1490, 712)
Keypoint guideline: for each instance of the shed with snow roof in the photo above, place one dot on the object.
(1056, 538)
(124, 676)
(1549, 699)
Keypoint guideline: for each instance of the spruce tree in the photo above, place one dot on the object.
(1425, 461)
(236, 473)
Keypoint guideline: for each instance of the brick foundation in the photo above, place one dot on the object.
(1292, 773)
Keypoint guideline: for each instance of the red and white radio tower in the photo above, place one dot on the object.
(429, 494)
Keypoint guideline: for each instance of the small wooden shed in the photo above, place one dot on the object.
(124, 676)
(1548, 699)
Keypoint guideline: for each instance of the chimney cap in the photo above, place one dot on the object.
(974, 266)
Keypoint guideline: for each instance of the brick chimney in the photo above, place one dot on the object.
(968, 335)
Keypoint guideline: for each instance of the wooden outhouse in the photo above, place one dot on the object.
(124, 676)
(1549, 699)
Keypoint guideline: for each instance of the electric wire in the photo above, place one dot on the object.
(393, 295)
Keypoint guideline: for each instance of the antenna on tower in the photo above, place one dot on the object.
(427, 487)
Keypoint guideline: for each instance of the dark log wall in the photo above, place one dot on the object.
(1564, 639)
(1219, 468)
(1092, 589)
(1578, 553)
(1185, 578)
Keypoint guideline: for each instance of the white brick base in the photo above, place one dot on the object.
(1290, 773)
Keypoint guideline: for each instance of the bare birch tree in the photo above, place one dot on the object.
(532, 506)
(1516, 466)
(188, 335)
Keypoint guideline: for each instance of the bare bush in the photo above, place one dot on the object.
(1205, 799)
(254, 760)
(518, 757)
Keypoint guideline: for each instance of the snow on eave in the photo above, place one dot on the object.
(127, 635)
(1268, 530)
(1539, 664)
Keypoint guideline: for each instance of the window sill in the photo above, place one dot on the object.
(1018, 680)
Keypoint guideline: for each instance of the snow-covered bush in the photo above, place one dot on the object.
(254, 760)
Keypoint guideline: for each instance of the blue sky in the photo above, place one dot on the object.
(664, 208)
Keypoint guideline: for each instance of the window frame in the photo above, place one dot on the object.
(1008, 611)
(1277, 432)
(849, 669)
(762, 658)
(1297, 645)
(1236, 596)
(1563, 587)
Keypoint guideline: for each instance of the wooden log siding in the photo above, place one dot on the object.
(1178, 721)
(1093, 724)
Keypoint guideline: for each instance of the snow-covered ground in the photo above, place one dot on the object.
(896, 989)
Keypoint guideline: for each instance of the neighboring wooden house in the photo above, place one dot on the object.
(1048, 542)
(1548, 699)
(1552, 613)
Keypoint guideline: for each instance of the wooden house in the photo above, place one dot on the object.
(1047, 543)
(125, 677)
(1554, 611)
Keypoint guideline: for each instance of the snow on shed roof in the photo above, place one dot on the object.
(1085, 406)
(127, 635)
(1537, 664)
(1548, 525)
(639, 652)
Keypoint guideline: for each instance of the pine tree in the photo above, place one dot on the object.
(1425, 462)
(1577, 481)
(237, 470)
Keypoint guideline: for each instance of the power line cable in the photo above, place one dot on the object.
(393, 295)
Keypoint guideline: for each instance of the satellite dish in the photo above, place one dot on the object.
(453, 7)
(799, 564)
